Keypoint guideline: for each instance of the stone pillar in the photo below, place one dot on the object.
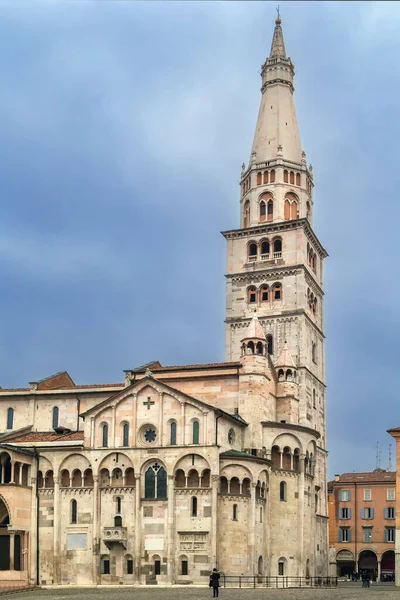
(214, 523)
(113, 424)
(252, 529)
(92, 440)
(291, 461)
(12, 541)
(138, 533)
(379, 570)
(12, 472)
(56, 531)
(183, 423)
(205, 427)
(171, 530)
(33, 536)
(280, 460)
(134, 419)
(95, 539)
(160, 417)
(300, 513)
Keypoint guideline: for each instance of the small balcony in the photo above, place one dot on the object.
(114, 535)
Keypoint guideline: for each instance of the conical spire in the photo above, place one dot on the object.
(255, 331)
(285, 358)
(278, 45)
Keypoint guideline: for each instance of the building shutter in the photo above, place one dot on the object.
(349, 535)
(349, 512)
(363, 513)
(386, 535)
(341, 513)
(386, 513)
(340, 535)
(371, 513)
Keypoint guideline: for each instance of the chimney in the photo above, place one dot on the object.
(337, 477)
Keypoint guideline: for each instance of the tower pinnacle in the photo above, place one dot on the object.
(278, 45)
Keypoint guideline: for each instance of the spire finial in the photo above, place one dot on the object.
(278, 20)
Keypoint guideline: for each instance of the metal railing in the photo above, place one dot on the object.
(258, 581)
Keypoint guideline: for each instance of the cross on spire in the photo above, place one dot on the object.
(148, 403)
(277, 10)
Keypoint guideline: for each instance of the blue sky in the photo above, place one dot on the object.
(123, 129)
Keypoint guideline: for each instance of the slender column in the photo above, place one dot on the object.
(379, 570)
(56, 530)
(291, 462)
(183, 423)
(137, 529)
(280, 460)
(300, 513)
(205, 427)
(170, 530)
(33, 536)
(92, 444)
(95, 540)
(214, 523)
(12, 541)
(160, 417)
(134, 420)
(12, 472)
(252, 528)
(113, 426)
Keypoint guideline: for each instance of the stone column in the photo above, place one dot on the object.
(300, 513)
(280, 460)
(379, 570)
(183, 423)
(214, 523)
(134, 419)
(33, 536)
(12, 542)
(171, 530)
(160, 417)
(138, 533)
(113, 424)
(12, 471)
(95, 539)
(56, 531)
(92, 440)
(205, 427)
(252, 529)
(291, 461)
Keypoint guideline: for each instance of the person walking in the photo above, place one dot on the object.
(214, 582)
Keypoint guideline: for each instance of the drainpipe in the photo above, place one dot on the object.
(355, 526)
(216, 428)
(37, 518)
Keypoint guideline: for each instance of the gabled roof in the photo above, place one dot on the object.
(376, 476)
(54, 382)
(9, 435)
(152, 380)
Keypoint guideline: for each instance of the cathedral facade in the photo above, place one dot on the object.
(178, 469)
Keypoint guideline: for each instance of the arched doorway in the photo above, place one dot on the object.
(260, 565)
(345, 563)
(4, 538)
(387, 566)
(368, 564)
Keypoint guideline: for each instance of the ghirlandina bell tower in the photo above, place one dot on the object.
(275, 260)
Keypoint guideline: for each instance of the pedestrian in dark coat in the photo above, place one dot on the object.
(214, 582)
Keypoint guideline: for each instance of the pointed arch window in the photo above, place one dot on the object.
(270, 344)
(74, 512)
(172, 439)
(10, 418)
(263, 211)
(298, 179)
(126, 435)
(196, 431)
(293, 210)
(55, 416)
(272, 176)
(155, 482)
(105, 436)
(291, 177)
(287, 210)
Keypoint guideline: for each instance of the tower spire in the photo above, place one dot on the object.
(278, 44)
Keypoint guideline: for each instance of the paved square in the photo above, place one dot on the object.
(378, 592)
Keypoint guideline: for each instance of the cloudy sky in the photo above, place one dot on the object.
(123, 129)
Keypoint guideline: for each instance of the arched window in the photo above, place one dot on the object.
(105, 564)
(265, 176)
(261, 515)
(285, 176)
(118, 504)
(155, 482)
(105, 436)
(253, 252)
(291, 177)
(259, 176)
(308, 210)
(129, 564)
(314, 352)
(235, 512)
(184, 566)
(263, 211)
(196, 432)
(265, 250)
(264, 293)
(277, 247)
(297, 178)
(272, 176)
(194, 506)
(126, 434)
(314, 307)
(74, 511)
(277, 291)
(252, 295)
(270, 210)
(293, 211)
(270, 344)
(281, 566)
(282, 491)
(118, 521)
(10, 418)
(173, 434)
(287, 210)
(246, 214)
(55, 417)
